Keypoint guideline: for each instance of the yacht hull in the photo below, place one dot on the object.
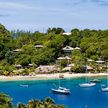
(87, 84)
(60, 91)
(105, 89)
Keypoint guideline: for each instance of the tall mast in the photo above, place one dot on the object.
(86, 68)
(107, 72)
(59, 73)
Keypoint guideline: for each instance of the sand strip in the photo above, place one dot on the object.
(50, 76)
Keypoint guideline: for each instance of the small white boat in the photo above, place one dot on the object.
(87, 84)
(105, 89)
(61, 90)
(22, 85)
(95, 81)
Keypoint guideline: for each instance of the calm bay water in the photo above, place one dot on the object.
(93, 97)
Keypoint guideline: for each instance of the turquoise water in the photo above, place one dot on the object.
(93, 97)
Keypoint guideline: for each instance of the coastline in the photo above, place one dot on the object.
(50, 76)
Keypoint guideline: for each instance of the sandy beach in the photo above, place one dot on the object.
(49, 76)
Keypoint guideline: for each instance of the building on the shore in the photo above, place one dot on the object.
(88, 67)
(68, 49)
(67, 33)
(39, 46)
(17, 50)
(47, 69)
(77, 48)
(18, 66)
(68, 67)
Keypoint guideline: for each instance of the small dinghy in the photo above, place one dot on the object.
(95, 81)
(22, 85)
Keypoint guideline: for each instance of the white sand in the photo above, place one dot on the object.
(49, 76)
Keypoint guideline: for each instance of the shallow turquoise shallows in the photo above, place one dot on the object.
(93, 97)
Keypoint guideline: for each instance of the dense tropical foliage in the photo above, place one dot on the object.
(6, 102)
(18, 47)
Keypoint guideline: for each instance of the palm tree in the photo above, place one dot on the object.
(20, 105)
(5, 101)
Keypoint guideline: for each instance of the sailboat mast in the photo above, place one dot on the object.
(59, 73)
(107, 73)
(86, 72)
(86, 68)
(59, 82)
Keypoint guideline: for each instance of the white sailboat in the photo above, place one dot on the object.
(87, 84)
(61, 90)
(106, 88)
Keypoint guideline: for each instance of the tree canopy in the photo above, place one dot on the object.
(18, 47)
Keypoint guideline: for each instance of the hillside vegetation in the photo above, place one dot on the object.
(93, 44)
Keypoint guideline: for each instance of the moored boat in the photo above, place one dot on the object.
(95, 81)
(87, 84)
(105, 89)
(61, 90)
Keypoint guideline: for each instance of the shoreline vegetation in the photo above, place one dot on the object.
(6, 102)
(38, 56)
(50, 76)
(26, 56)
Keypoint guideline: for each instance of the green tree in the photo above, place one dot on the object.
(5, 101)
(55, 30)
(9, 57)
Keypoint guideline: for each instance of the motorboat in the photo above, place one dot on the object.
(87, 84)
(23, 85)
(105, 89)
(95, 81)
(61, 90)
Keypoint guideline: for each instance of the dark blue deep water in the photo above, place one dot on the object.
(92, 97)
